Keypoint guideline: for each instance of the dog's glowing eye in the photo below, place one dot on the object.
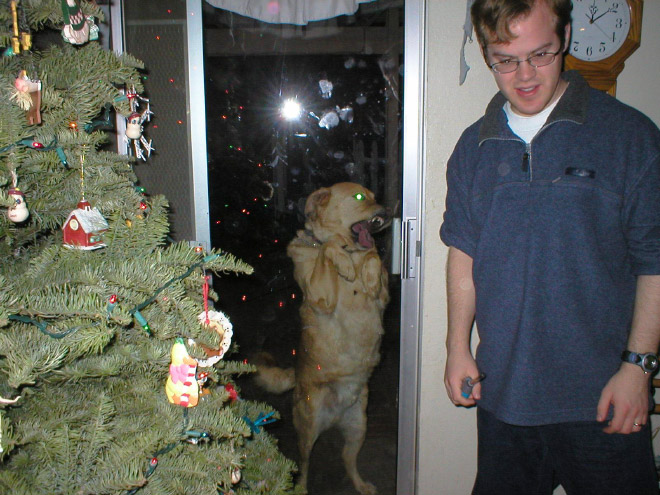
(360, 197)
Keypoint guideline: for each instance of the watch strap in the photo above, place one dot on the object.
(631, 357)
(641, 360)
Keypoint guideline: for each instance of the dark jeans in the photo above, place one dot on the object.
(532, 460)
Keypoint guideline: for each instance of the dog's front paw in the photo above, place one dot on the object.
(341, 259)
(371, 274)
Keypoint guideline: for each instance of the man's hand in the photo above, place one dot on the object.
(459, 366)
(628, 392)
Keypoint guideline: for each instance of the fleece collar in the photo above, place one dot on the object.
(572, 106)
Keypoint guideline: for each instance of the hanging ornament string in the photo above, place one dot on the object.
(12, 170)
(206, 297)
(82, 175)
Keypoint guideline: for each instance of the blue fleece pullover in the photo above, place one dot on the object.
(558, 230)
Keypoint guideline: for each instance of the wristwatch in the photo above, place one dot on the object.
(648, 362)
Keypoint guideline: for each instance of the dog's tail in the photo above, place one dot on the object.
(270, 377)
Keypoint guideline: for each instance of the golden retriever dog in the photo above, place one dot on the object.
(345, 291)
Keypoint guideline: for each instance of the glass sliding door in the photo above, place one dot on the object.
(237, 173)
(341, 79)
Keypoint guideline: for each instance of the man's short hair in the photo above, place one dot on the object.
(492, 18)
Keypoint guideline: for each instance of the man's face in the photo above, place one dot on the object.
(530, 89)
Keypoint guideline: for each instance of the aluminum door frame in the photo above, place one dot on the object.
(411, 237)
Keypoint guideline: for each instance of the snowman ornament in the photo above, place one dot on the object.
(18, 212)
(134, 134)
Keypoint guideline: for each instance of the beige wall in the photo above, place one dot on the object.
(447, 436)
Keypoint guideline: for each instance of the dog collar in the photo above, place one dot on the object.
(307, 236)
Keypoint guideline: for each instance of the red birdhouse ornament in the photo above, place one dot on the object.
(84, 228)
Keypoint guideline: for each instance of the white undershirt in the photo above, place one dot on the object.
(527, 127)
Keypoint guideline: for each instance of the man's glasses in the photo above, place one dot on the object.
(537, 60)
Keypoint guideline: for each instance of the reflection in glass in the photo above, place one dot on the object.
(291, 109)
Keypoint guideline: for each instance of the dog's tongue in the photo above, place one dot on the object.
(364, 236)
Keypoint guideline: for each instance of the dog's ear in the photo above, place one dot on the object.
(318, 198)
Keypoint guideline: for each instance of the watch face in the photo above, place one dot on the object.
(650, 362)
(599, 28)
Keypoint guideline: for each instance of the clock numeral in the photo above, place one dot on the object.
(619, 23)
(589, 51)
(613, 36)
(602, 47)
(576, 46)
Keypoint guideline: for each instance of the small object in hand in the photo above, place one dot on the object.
(469, 383)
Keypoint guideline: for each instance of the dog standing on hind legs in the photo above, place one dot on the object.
(345, 289)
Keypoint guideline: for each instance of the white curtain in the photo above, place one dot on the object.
(298, 12)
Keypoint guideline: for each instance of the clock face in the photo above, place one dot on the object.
(599, 28)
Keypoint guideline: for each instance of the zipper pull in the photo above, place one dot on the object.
(525, 162)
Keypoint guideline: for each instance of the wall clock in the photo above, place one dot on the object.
(604, 33)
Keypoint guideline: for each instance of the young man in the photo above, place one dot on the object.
(553, 223)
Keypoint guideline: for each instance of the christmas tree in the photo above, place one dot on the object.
(113, 374)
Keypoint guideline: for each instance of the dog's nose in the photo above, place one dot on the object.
(377, 222)
(380, 220)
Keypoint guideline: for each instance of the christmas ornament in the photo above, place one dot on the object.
(233, 395)
(28, 96)
(77, 30)
(202, 379)
(84, 228)
(235, 476)
(20, 39)
(181, 387)
(18, 212)
(134, 125)
(219, 323)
